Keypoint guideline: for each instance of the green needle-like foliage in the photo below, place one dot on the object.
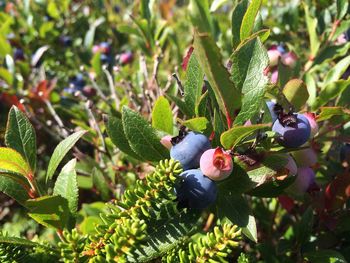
(71, 251)
(19, 250)
(215, 246)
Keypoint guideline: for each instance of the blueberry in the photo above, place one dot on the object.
(66, 40)
(190, 149)
(305, 178)
(347, 35)
(78, 81)
(105, 59)
(105, 47)
(126, 58)
(294, 130)
(345, 153)
(18, 54)
(270, 105)
(196, 190)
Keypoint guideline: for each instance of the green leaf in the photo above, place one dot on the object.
(330, 53)
(304, 228)
(342, 8)
(50, 211)
(11, 160)
(311, 24)
(330, 91)
(6, 76)
(20, 135)
(52, 9)
(96, 63)
(200, 16)
(101, 184)
(181, 104)
(337, 71)
(193, 84)
(216, 5)
(142, 137)
(196, 124)
(60, 152)
(115, 131)
(250, 230)
(296, 93)
(90, 34)
(5, 47)
(236, 134)
(14, 190)
(163, 235)
(248, 65)
(228, 96)
(249, 19)
(162, 116)
(328, 112)
(67, 186)
(324, 256)
(236, 209)
(237, 17)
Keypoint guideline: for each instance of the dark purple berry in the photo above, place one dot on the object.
(294, 130)
(89, 91)
(196, 190)
(18, 54)
(66, 41)
(189, 149)
(105, 59)
(78, 82)
(345, 153)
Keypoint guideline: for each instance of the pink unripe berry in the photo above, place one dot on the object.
(126, 58)
(289, 59)
(166, 141)
(311, 117)
(274, 77)
(216, 164)
(274, 55)
(95, 49)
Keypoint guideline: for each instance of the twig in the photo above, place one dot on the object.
(112, 88)
(57, 118)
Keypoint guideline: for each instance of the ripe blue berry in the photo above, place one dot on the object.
(294, 130)
(18, 54)
(78, 82)
(105, 59)
(66, 40)
(345, 153)
(105, 47)
(189, 150)
(196, 190)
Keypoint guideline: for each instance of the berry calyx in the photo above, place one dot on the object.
(216, 164)
(294, 129)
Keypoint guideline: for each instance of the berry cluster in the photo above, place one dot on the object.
(78, 84)
(276, 54)
(202, 167)
(104, 48)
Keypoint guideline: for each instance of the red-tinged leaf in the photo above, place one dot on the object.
(286, 202)
(43, 90)
(186, 59)
(11, 100)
